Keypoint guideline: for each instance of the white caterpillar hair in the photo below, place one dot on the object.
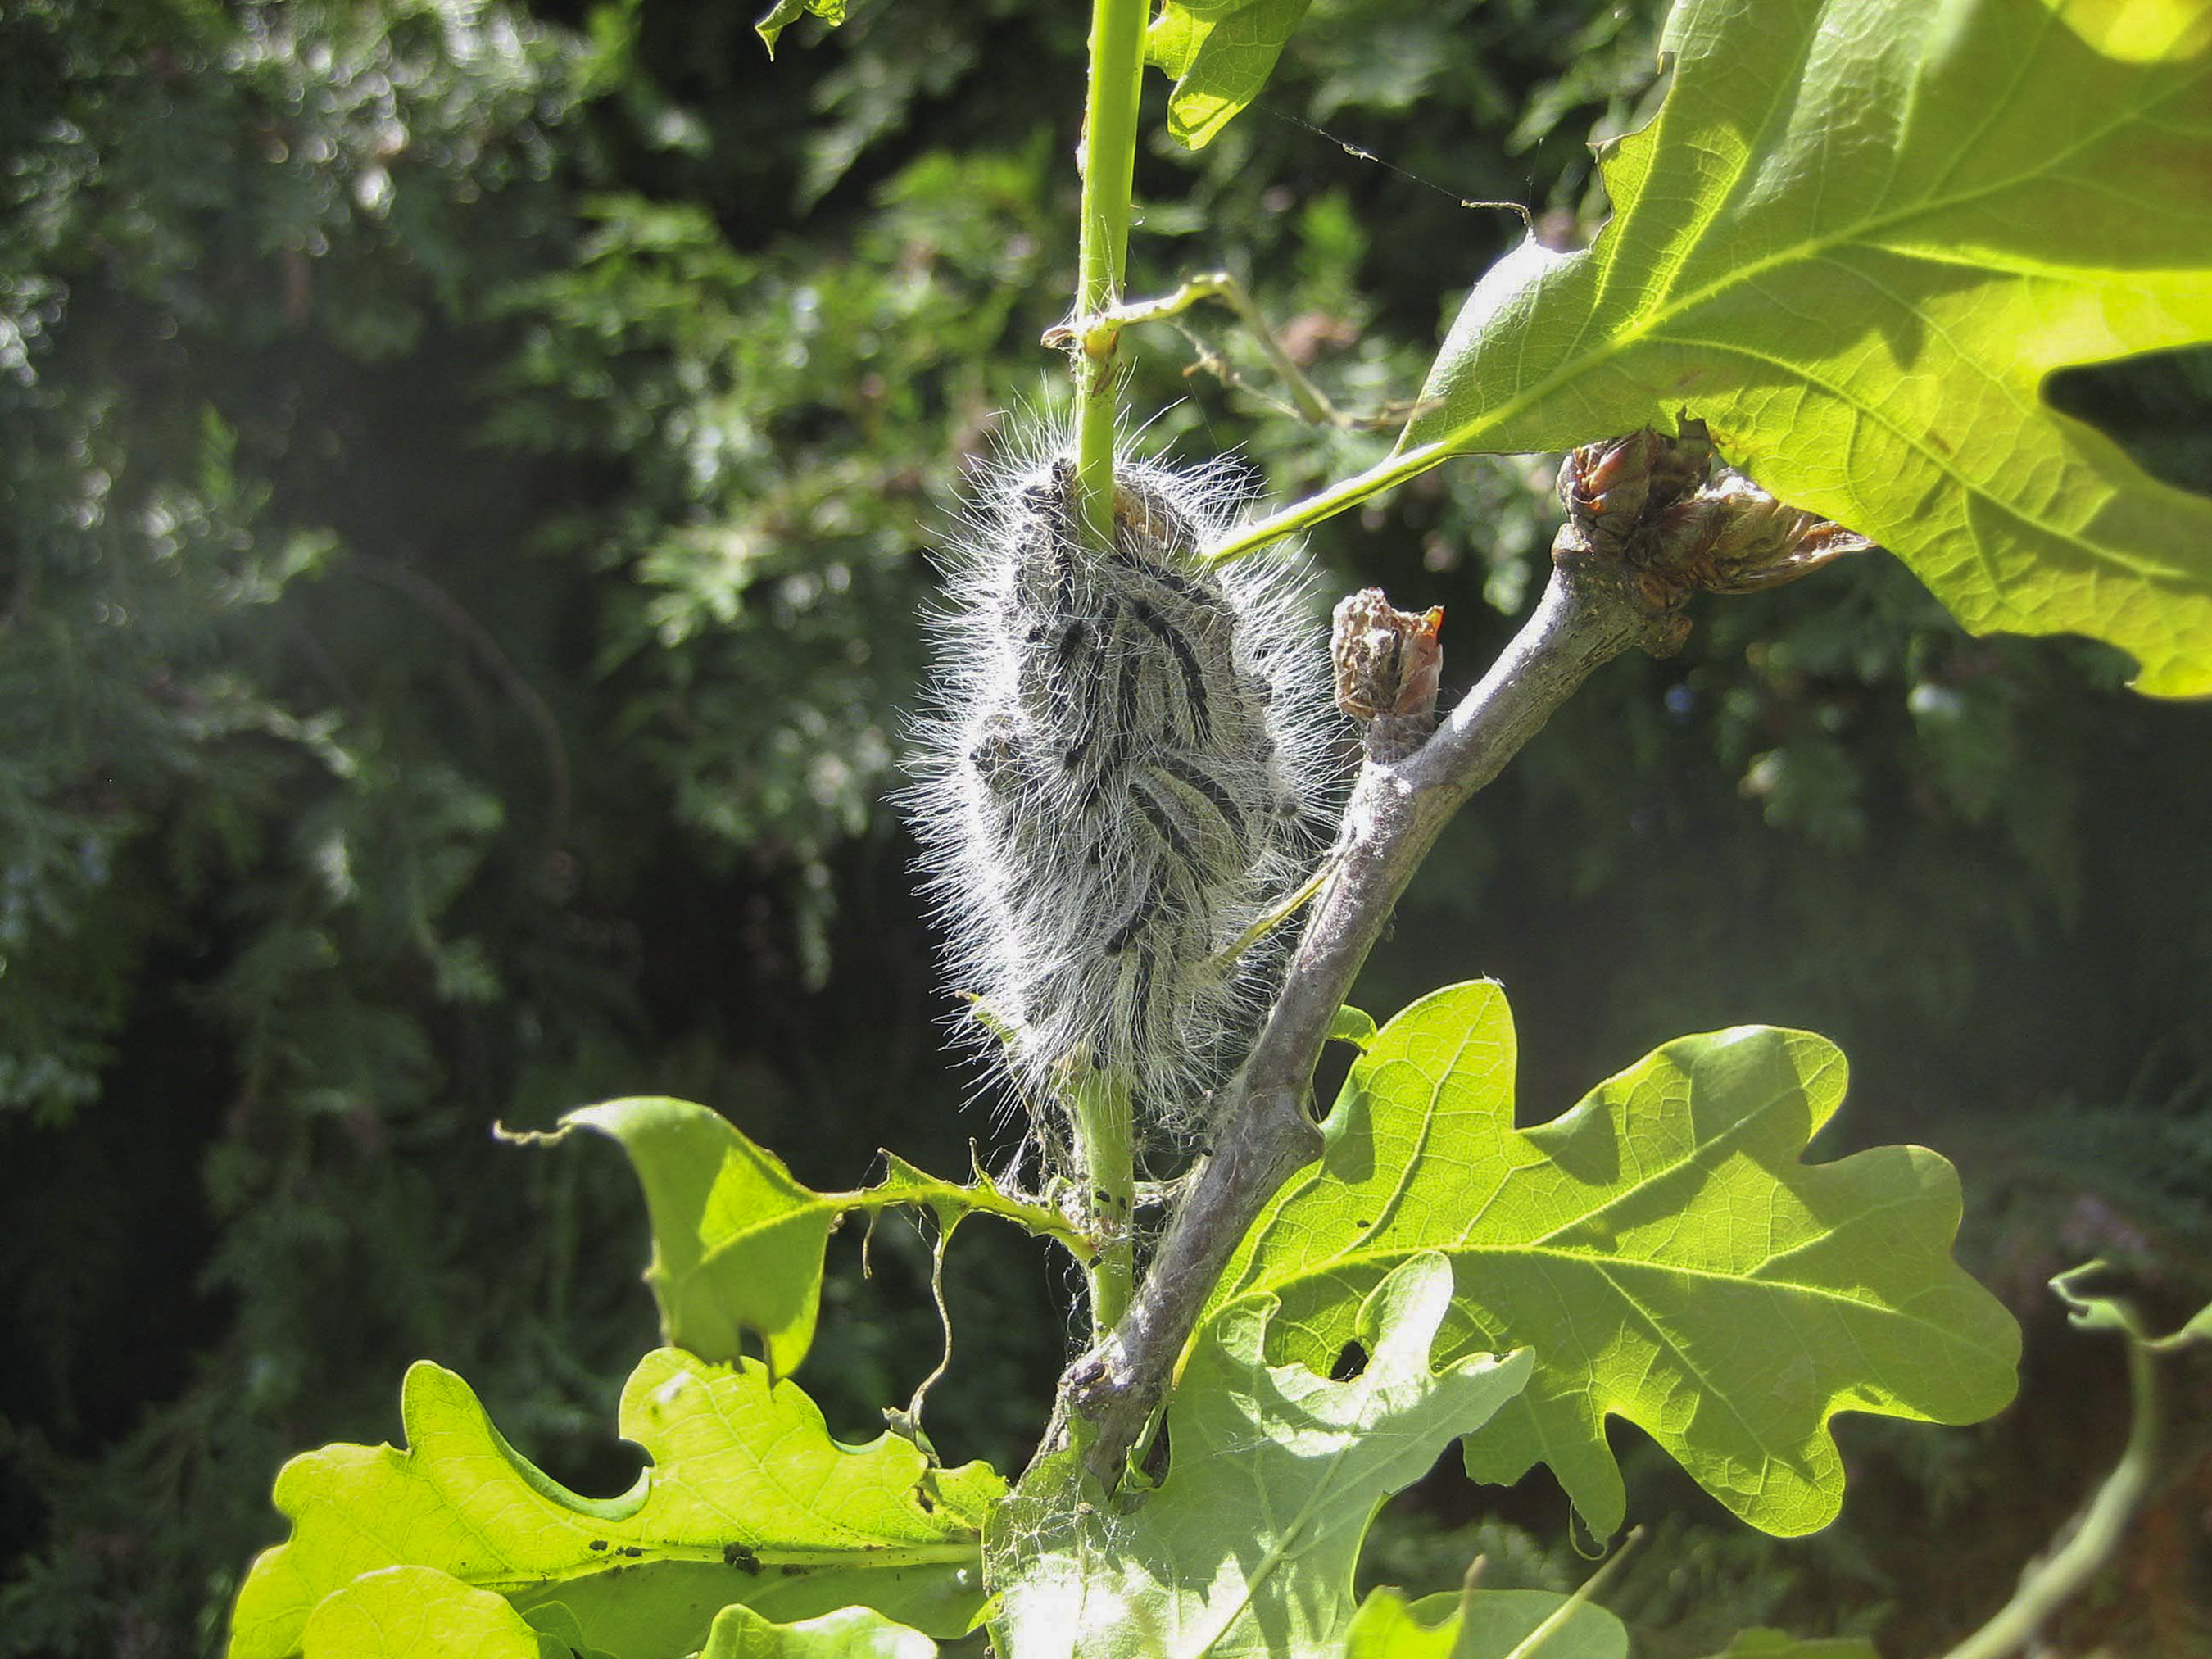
(1124, 768)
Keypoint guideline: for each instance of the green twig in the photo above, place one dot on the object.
(1312, 404)
(909, 1188)
(1098, 1103)
(2099, 1531)
(1308, 403)
(2055, 1580)
(1109, 160)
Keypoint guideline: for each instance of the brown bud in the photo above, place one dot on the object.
(1655, 514)
(1603, 486)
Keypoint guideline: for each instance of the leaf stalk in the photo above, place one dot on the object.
(1104, 1136)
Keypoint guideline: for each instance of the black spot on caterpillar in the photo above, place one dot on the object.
(1163, 823)
(1125, 935)
(1193, 678)
(1126, 767)
(1193, 778)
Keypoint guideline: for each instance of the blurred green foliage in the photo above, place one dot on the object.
(471, 478)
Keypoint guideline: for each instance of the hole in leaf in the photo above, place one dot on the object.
(1351, 1361)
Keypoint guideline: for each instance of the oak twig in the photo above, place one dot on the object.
(1639, 540)
(1265, 1132)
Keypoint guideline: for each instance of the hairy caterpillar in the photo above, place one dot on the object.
(1124, 768)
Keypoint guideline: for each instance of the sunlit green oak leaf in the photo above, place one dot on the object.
(1246, 1547)
(1478, 1624)
(744, 1486)
(1220, 53)
(418, 1613)
(737, 1241)
(788, 12)
(1856, 239)
(1659, 1247)
(849, 1633)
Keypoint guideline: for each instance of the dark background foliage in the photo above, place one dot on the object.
(468, 477)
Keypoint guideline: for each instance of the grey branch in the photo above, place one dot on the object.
(1266, 1130)
(1640, 538)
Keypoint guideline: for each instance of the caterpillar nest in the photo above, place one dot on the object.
(1124, 772)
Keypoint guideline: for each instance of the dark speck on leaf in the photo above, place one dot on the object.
(791, 1570)
(738, 1556)
(631, 1549)
(598, 1543)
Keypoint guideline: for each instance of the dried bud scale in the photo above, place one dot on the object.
(1656, 513)
(1389, 663)
(1124, 768)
